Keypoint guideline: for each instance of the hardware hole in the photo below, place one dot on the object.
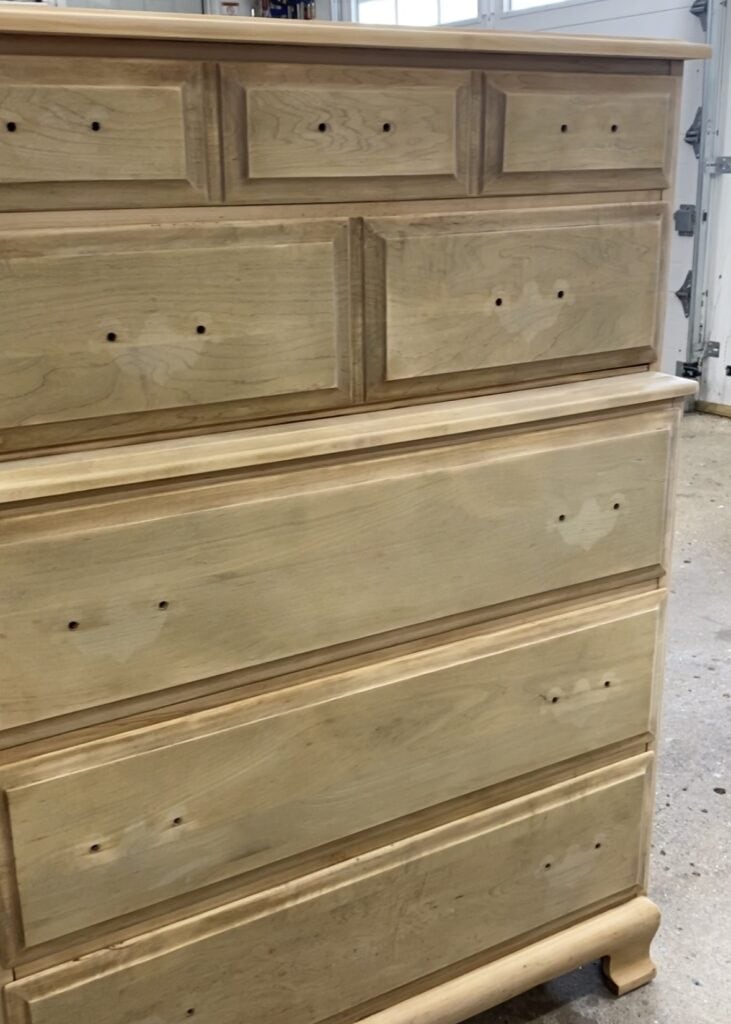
(608, 683)
(177, 821)
(564, 128)
(162, 605)
(616, 506)
(554, 700)
(111, 336)
(11, 126)
(547, 866)
(562, 518)
(615, 127)
(190, 1012)
(498, 302)
(323, 126)
(560, 294)
(597, 846)
(386, 126)
(95, 126)
(200, 329)
(73, 624)
(95, 848)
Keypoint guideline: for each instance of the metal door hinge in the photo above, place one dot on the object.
(693, 135)
(700, 9)
(713, 349)
(722, 165)
(691, 371)
(685, 293)
(685, 218)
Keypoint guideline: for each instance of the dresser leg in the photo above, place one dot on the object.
(630, 966)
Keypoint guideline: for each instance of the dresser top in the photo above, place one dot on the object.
(211, 29)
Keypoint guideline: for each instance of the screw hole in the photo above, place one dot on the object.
(95, 848)
(547, 866)
(200, 329)
(562, 518)
(498, 302)
(73, 624)
(560, 294)
(111, 336)
(615, 127)
(323, 126)
(190, 1012)
(607, 683)
(564, 128)
(387, 126)
(177, 821)
(554, 700)
(11, 126)
(95, 126)
(597, 846)
(162, 605)
(616, 505)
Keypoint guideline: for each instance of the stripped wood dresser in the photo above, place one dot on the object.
(334, 505)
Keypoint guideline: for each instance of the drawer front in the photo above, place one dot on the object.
(144, 328)
(567, 132)
(294, 132)
(83, 132)
(125, 595)
(479, 299)
(93, 838)
(396, 916)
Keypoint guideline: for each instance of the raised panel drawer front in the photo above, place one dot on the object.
(565, 132)
(323, 133)
(116, 330)
(376, 923)
(470, 300)
(113, 596)
(254, 782)
(88, 132)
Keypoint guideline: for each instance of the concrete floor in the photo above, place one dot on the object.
(690, 870)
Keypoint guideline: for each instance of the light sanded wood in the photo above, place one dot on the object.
(714, 408)
(212, 795)
(469, 299)
(294, 132)
(138, 319)
(212, 578)
(133, 25)
(45, 476)
(558, 124)
(86, 131)
(631, 926)
(381, 921)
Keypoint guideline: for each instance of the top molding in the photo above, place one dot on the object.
(211, 28)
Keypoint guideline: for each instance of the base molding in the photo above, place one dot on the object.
(621, 937)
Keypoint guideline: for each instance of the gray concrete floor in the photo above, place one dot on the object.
(690, 876)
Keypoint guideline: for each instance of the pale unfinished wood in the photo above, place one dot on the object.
(95, 132)
(109, 828)
(422, 900)
(468, 300)
(219, 576)
(569, 132)
(137, 319)
(307, 132)
(133, 25)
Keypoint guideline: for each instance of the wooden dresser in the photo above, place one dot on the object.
(335, 481)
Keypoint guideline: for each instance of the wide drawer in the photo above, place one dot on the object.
(485, 299)
(128, 329)
(87, 132)
(107, 828)
(321, 133)
(569, 132)
(375, 923)
(111, 596)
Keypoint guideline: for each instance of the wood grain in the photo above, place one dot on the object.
(219, 793)
(384, 920)
(96, 132)
(476, 299)
(147, 319)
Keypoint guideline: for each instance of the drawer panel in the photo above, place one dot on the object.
(87, 132)
(322, 133)
(388, 919)
(171, 326)
(561, 132)
(108, 828)
(113, 597)
(470, 300)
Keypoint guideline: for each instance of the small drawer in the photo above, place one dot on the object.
(388, 919)
(123, 331)
(578, 132)
(320, 134)
(494, 299)
(86, 132)
(93, 840)
(111, 596)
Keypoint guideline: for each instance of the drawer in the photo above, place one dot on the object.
(117, 595)
(121, 330)
(322, 133)
(563, 132)
(489, 299)
(86, 132)
(379, 922)
(93, 839)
